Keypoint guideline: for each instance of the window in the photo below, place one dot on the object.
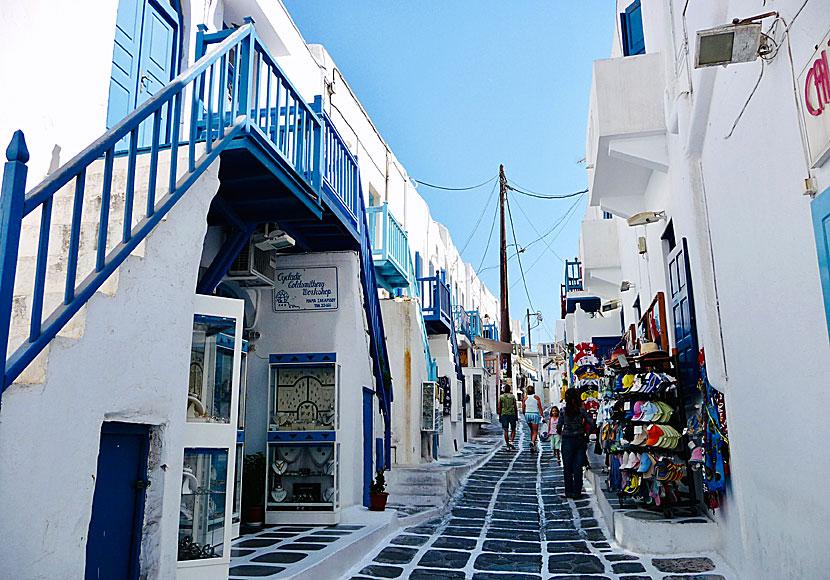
(633, 40)
(607, 215)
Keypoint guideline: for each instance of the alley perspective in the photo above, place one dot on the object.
(475, 290)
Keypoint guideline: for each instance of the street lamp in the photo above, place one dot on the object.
(538, 316)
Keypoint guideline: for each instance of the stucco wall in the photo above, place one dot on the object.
(342, 331)
(132, 365)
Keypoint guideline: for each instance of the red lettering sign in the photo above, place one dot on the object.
(818, 78)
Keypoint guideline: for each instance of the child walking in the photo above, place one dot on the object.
(555, 438)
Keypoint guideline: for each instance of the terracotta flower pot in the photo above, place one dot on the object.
(255, 516)
(377, 501)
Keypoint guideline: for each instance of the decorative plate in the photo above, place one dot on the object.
(321, 454)
(278, 494)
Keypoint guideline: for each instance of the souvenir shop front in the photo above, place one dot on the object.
(664, 443)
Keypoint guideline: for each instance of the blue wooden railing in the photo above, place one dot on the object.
(475, 322)
(234, 88)
(437, 301)
(390, 244)
(490, 331)
(462, 322)
(340, 171)
(573, 275)
(415, 292)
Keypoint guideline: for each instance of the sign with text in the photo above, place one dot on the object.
(814, 93)
(305, 289)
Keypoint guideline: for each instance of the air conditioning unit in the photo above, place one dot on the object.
(253, 266)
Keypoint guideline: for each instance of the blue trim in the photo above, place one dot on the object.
(379, 447)
(820, 208)
(633, 38)
(368, 433)
(240, 438)
(303, 358)
(300, 437)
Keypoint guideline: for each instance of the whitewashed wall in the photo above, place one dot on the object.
(758, 299)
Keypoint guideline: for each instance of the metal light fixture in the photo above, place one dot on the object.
(646, 217)
(626, 286)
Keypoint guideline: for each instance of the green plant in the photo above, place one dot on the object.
(379, 484)
(253, 480)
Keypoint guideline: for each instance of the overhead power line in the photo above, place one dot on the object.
(489, 237)
(538, 195)
(518, 255)
(478, 221)
(419, 182)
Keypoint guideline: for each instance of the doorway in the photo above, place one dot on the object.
(143, 61)
(114, 539)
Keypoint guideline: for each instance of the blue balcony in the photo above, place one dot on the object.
(390, 247)
(463, 322)
(436, 304)
(573, 275)
(490, 331)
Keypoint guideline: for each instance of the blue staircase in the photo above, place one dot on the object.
(234, 101)
(415, 292)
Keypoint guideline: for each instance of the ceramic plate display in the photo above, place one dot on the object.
(321, 454)
(279, 494)
(328, 495)
(279, 466)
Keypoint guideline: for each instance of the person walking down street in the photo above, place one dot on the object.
(532, 408)
(572, 426)
(508, 415)
(555, 438)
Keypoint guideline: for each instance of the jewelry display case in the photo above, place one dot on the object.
(210, 453)
(202, 512)
(478, 409)
(432, 413)
(240, 441)
(303, 479)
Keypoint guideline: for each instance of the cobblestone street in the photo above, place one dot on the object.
(509, 522)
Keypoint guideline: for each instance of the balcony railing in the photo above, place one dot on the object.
(390, 247)
(490, 331)
(436, 304)
(475, 323)
(573, 275)
(462, 322)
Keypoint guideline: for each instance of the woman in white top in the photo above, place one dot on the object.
(532, 408)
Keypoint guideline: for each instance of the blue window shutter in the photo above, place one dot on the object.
(634, 41)
(820, 207)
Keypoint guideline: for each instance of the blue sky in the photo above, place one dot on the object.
(458, 87)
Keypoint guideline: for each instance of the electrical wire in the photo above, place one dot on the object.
(478, 221)
(544, 196)
(543, 236)
(489, 237)
(419, 182)
(518, 255)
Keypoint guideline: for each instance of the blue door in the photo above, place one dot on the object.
(683, 315)
(820, 207)
(368, 434)
(143, 60)
(114, 539)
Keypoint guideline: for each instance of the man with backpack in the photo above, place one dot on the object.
(508, 415)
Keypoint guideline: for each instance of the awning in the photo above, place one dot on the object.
(493, 345)
(527, 365)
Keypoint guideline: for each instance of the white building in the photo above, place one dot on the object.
(223, 279)
(737, 249)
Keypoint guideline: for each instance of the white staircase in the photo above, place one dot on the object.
(58, 248)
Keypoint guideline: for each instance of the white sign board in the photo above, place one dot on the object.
(814, 94)
(304, 289)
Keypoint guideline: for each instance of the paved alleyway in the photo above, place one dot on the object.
(509, 522)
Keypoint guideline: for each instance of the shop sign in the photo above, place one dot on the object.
(814, 93)
(304, 289)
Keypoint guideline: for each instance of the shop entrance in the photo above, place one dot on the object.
(114, 539)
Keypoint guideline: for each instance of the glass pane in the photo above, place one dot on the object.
(478, 397)
(237, 482)
(302, 398)
(243, 391)
(211, 370)
(299, 475)
(202, 511)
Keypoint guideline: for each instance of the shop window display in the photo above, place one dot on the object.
(211, 370)
(302, 398)
(202, 510)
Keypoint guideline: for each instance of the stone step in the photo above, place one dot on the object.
(416, 499)
(416, 476)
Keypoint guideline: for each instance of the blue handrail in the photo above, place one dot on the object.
(462, 322)
(475, 322)
(415, 292)
(437, 300)
(389, 240)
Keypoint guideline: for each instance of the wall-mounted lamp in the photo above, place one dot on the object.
(626, 286)
(646, 217)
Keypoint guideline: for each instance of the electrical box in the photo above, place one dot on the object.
(641, 244)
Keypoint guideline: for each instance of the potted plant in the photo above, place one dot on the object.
(377, 493)
(253, 489)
